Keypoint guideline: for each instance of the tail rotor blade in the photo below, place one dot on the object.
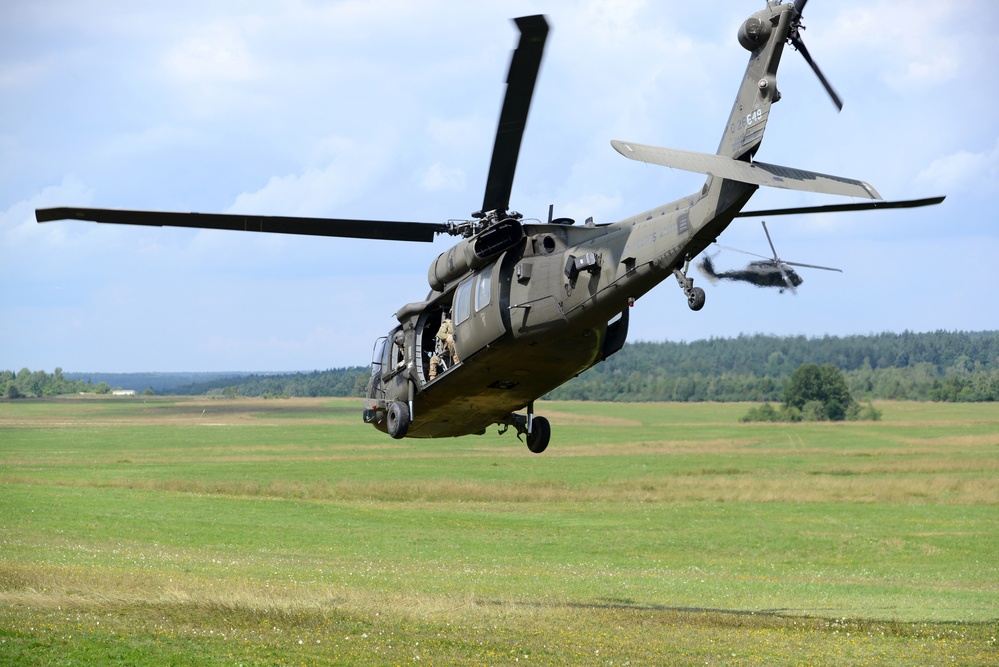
(787, 279)
(800, 45)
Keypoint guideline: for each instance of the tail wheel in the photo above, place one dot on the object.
(398, 419)
(541, 433)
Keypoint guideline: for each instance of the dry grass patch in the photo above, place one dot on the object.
(656, 447)
(88, 412)
(709, 485)
(738, 486)
(989, 441)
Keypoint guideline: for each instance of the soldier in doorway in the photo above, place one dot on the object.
(445, 336)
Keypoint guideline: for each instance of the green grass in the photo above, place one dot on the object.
(187, 531)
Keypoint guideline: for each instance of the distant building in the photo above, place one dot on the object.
(123, 392)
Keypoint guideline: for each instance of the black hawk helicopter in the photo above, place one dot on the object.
(523, 307)
(764, 272)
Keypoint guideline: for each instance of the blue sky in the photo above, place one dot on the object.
(386, 109)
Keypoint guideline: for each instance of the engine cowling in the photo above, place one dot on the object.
(472, 253)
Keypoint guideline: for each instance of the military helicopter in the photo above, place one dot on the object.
(765, 272)
(522, 307)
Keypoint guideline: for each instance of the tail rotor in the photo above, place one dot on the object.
(795, 38)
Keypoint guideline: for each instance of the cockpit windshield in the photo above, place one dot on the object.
(376, 354)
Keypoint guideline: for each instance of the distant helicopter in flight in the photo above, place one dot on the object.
(764, 272)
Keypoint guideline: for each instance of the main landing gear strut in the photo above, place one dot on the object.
(537, 429)
(695, 295)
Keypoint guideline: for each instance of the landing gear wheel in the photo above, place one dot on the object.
(695, 295)
(398, 419)
(541, 433)
(695, 299)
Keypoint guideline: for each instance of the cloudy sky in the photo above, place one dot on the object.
(386, 109)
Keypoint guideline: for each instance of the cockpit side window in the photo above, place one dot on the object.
(376, 355)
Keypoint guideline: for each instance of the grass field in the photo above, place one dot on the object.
(286, 532)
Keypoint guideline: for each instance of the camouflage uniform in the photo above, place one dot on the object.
(446, 336)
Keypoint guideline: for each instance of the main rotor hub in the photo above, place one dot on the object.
(481, 221)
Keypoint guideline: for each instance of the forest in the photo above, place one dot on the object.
(33, 384)
(934, 366)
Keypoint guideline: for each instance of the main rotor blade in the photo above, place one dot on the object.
(839, 208)
(520, 82)
(812, 266)
(767, 232)
(744, 252)
(359, 229)
(800, 45)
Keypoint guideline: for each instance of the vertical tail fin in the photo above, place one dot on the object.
(763, 35)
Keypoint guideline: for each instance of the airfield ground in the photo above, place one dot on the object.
(285, 532)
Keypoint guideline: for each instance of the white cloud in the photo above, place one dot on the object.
(438, 177)
(218, 54)
(458, 133)
(20, 230)
(149, 140)
(598, 206)
(924, 43)
(963, 171)
(212, 71)
(317, 190)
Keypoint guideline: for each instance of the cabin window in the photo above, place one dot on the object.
(463, 302)
(483, 288)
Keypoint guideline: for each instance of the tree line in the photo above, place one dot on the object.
(936, 366)
(333, 382)
(29, 384)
